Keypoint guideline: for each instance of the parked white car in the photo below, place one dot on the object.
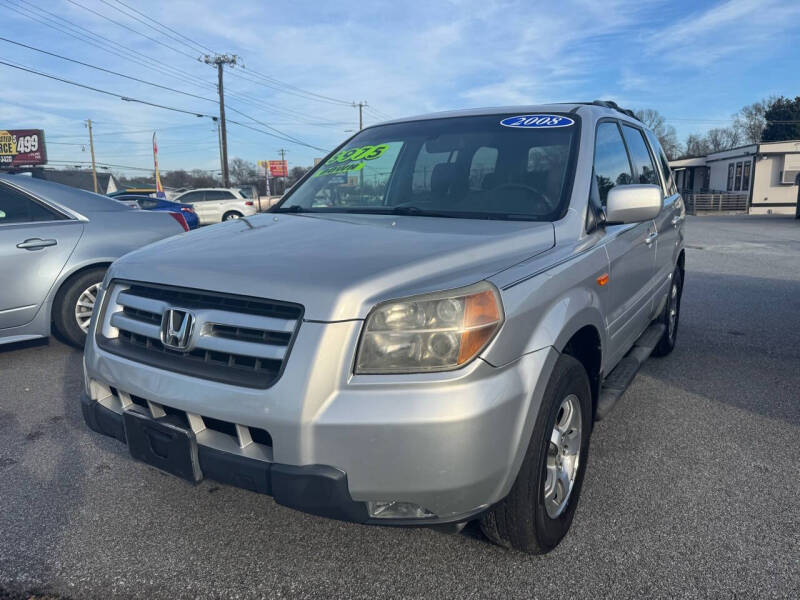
(214, 205)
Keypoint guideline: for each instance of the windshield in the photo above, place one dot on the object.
(246, 193)
(467, 167)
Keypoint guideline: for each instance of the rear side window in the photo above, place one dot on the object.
(219, 195)
(611, 165)
(147, 204)
(661, 158)
(192, 197)
(644, 169)
(16, 207)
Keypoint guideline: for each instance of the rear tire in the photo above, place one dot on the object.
(232, 215)
(671, 316)
(538, 511)
(74, 303)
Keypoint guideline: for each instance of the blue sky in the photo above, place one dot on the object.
(695, 62)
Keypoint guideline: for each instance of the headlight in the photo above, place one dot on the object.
(434, 332)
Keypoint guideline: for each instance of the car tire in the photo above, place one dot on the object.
(671, 316)
(231, 215)
(526, 519)
(69, 318)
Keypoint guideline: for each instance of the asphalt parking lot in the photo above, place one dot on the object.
(692, 489)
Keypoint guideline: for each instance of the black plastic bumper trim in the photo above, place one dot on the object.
(315, 489)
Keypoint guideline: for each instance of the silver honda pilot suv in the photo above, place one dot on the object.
(422, 332)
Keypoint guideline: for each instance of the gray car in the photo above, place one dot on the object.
(423, 331)
(55, 245)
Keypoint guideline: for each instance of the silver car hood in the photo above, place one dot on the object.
(336, 265)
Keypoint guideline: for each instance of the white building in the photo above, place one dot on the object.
(766, 173)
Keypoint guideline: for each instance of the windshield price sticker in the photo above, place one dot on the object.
(345, 161)
(539, 121)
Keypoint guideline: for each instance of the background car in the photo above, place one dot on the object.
(150, 203)
(214, 205)
(56, 243)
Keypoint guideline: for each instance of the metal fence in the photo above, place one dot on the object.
(721, 202)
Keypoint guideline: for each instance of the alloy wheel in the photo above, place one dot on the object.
(85, 305)
(563, 454)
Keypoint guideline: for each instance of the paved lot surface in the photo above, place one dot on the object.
(693, 486)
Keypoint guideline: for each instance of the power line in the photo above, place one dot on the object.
(72, 60)
(275, 136)
(106, 92)
(168, 28)
(129, 28)
(98, 41)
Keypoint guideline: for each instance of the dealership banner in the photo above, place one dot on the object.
(22, 147)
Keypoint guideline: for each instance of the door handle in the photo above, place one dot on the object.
(676, 220)
(36, 244)
(651, 237)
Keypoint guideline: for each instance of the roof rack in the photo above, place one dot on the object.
(614, 106)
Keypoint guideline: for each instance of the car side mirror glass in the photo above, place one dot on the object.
(633, 203)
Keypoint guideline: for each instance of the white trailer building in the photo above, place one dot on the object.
(762, 177)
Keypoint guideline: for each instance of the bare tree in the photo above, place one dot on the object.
(696, 145)
(750, 121)
(722, 138)
(666, 134)
(243, 172)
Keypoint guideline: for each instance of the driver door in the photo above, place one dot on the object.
(631, 247)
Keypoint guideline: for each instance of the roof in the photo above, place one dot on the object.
(598, 107)
(699, 161)
(70, 197)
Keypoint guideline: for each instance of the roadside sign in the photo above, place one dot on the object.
(278, 168)
(22, 147)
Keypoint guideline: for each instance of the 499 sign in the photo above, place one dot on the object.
(22, 147)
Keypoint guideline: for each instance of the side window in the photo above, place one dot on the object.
(16, 207)
(482, 168)
(730, 177)
(737, 182)
(611, 165)
(192, 197)
(663, 162)
(640, 155)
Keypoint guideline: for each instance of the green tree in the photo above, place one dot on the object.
(783, 120)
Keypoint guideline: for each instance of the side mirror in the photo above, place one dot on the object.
(633, 203)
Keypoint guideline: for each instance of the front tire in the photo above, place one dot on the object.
(538, 511)
(74, 303)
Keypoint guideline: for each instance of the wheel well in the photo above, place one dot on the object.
(585, 346)
(682, 262)
(71, 277)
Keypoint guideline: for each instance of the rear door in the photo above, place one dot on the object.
(631, 249)
(197, 199)
(225, 201)
(36, 241)
(669, 221)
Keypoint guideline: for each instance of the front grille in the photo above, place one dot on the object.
(238, 340)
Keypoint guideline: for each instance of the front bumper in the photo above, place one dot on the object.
(449, 442)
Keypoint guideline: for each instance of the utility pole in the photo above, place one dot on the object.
(360, 106)
(220, 60)
(91, 149)
(283, 152)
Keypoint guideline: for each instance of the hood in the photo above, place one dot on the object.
(336, 265)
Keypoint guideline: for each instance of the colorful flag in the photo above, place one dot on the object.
(159, 188)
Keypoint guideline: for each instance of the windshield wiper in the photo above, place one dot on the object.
(296, 208)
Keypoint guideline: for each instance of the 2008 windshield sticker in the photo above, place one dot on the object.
(345, 161)
(537, 121)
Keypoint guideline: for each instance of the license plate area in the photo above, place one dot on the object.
(163, 444)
